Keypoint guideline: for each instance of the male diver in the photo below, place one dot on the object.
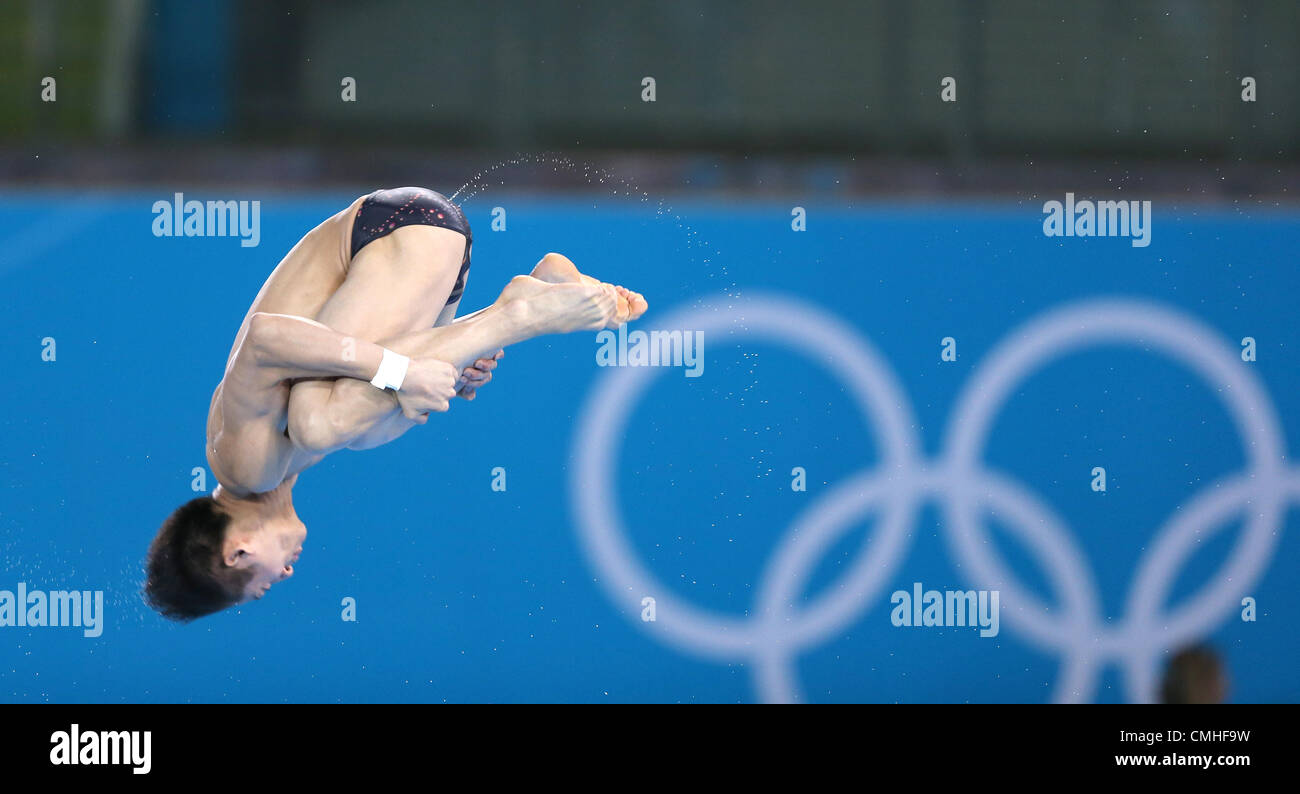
(352, 340)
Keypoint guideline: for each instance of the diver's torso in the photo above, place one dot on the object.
(257, 455)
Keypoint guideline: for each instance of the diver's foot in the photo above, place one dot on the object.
(559, 269)
(556, 269)
(543, 307)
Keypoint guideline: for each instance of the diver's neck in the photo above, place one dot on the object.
(276, 502)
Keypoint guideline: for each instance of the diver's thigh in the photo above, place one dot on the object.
(397, 284)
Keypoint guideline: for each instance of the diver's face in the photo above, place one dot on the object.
(270, 553)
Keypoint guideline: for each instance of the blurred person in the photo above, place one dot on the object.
(1195, 675)
(352, 340)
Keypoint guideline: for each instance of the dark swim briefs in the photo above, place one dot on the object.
(386, 210)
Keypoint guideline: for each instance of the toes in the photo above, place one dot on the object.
(639, 305)
(636, 303)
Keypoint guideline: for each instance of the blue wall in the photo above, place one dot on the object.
(469, 594)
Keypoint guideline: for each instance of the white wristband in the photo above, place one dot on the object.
(392, 371)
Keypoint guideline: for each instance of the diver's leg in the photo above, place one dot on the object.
(355, 414)
(396, 284)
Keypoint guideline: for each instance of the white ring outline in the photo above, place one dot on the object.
(773, 637)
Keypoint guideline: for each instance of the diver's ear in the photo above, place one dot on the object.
(235, 555)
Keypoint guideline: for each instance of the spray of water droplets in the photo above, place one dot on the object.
(617, 187)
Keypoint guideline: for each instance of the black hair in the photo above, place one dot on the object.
(186, 576)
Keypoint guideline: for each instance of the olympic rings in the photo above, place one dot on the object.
(899, 484)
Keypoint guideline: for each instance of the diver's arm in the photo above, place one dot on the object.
(285, 347)
(288, 347)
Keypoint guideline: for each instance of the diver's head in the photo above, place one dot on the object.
(217, 551)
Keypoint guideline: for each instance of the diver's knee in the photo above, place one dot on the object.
(312, 431)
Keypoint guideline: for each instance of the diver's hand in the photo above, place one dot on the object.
(474, 377)
(428, 386)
